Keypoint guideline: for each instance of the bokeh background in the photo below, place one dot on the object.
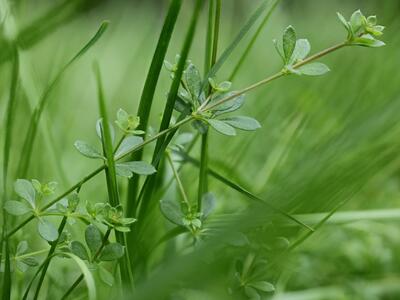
(323, 141)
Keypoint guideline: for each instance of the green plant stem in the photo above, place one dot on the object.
(276, 76)
(80, 278)
(49, 255)
(97, 171)
(178, 180)
(178, 124)
(149, 89)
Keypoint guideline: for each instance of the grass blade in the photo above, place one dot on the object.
(149, 89)
(34, 122)
(111, 178)
(270, 10)
(242, 33)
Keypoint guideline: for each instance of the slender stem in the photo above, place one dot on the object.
(178, 181)
(119, 143)
(277, 75)
(49, 255)
(180, 123)
(30, 254)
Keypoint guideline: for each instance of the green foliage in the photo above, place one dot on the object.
(231, 211)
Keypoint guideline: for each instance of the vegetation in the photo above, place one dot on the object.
(242, 191)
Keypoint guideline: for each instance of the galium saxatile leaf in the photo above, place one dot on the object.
(79, 250)
(87, 150)
(17, 208)
(93, 238)
(243, 123)
(112, 251)
(47, 230)
(314, 69)
(25, 190)
(289, 42)
(127, 145)
(172, 211)
(105, 275)
(222, 127)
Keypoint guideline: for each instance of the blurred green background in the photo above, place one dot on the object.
(323, 140)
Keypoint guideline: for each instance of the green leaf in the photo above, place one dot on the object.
(79, 250)
(106, 276)
(25, 190)
(222, 127)
(208, 204)
(30, 261)
(172, 211)
(301, 50)
(93, 238)
(47, 230)
(228, 106)
(127, 145)
(356, 21)
(251, 293)
(314, 69)
(344, 22)
(138, 167)
(368, 40)
(244, 123)
(289, 42)
(22, 247)
(111, 252)
(193, 81)
(263, 286)
(16, 208)
(87, 150)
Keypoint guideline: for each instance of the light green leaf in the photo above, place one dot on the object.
(263, 286)
(356, 20)
(79, 250)
(87, 150)
(127, 145)
(172, 211)
(208, 204)
(138, 167)
(47, 230)
(242, 122)
(22, 247)
(25, 190)
(106, 276)
(289, 42)
(111, 252)
(193, 81)
(222, 127)
(93, 238)
(368, 40)
(16, 208)
(314, 69)
(30, 261)
(344, 22)
(301, 50)
(252, 293)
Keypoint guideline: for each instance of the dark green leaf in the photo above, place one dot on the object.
(172, 211)
(111, 252)
(289, 42)
(79, 250)
(30, 261)
(138, 167)
(193, 81)
(93, 238)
